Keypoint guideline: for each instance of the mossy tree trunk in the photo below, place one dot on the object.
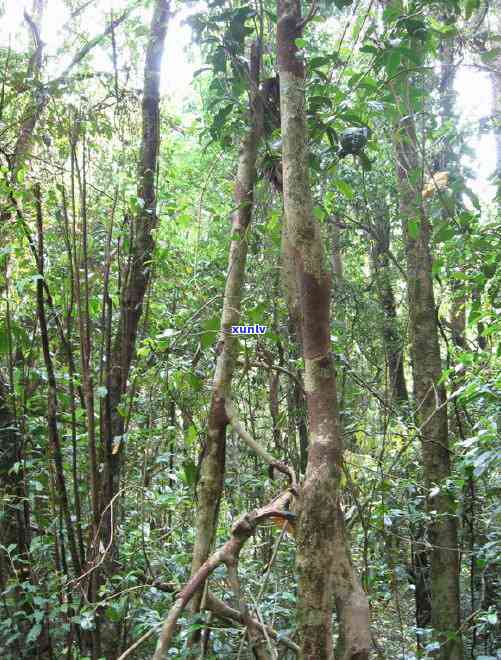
(210, 486)
(323, 560)
(430, 396)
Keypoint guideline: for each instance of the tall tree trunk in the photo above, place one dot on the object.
(447, 161)
(323, 560)
(496, 105)
(392, 341)
(138, 272)
(55, 452)
(213, 461)
(296, 402)
(14, 528)
(430, 396)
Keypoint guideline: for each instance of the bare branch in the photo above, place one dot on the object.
(227, 554)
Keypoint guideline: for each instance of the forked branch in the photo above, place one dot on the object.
(227, 554)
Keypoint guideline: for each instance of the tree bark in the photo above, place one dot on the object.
(12, 484)
(447, 161)
(212, 468)
(137, 275)
(392, 341)
(56, 453)
(296, 401)
(323, 560)
(430, 397)
(496, 105)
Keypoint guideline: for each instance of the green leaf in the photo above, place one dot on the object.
(113, 614)
(474, 316)
(352, 118)
(444, 232)
(344, 188)
(219, 60)
(220, 119)
(34, 633)
(492, 618)
(414, 227)
(368, 48)
(319, 213)
(191, 435)
(256, 314)
(300, 43)
(194, 381)
(4, 339)
(470, 7)
(211, 328)
(316, 62)
(392, 61)
(190, 472)
(21, 173)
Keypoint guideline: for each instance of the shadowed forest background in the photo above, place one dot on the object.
(330, 170)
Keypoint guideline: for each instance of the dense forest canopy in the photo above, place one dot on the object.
(249, 329)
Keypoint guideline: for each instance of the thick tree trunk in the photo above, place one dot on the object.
(429, 400)
(323, 560)
(210, 486)
(296, 401)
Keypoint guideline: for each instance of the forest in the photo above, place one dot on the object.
(250, 358)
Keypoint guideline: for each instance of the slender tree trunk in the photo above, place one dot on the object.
(447, 161)
(336, 254)
(38, 101)
(323, 560)
(496, 105)
(138, 271)
(11, 441)
(212, 468)
(429, 398)
(52, 406)
(13, 527)
(392, 341)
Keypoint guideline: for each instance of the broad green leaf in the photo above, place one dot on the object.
(444, 232)
(190, 472)
(392, 61)
(344, 188)
(191, 435)
(414, 227)
(211, 329)
(319, 213)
